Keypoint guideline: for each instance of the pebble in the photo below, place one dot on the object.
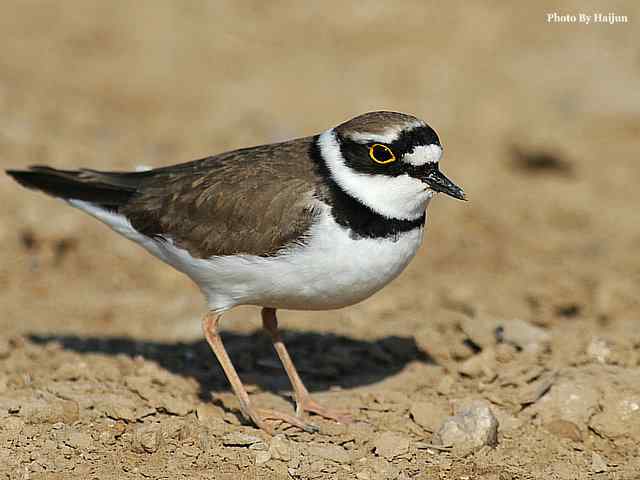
(428, 415)
(506, 420)
(619, 417)
(481, 331)
(140, 385)
(528, 337)
(473, 427)
(334, 453)
(119, 411)
(564, 429)
(445, 385)
(599, 349)
(262, 457)
(570, 400)
(146, 439)
(78, 440)
(391, 444)
(280, 448)
(598, 464)
(209, 412)
(532, 392)
(191, 451)
(481, 365)
(175, 406)
(49, 410)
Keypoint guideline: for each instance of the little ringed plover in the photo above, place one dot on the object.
(314, 223)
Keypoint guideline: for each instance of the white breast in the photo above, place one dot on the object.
(331, 270)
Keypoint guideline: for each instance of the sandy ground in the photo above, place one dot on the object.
(524, 298)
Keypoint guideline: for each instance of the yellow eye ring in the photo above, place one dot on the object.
(381, 154)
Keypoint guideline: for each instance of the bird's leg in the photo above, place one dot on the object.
(304, 402)
(257, 415)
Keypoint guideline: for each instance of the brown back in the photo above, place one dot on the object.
(250, 201)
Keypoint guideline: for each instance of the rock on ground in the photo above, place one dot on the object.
(471, 428)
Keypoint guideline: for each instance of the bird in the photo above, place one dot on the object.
(314, 223)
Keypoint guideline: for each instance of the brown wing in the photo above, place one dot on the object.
(250, 201)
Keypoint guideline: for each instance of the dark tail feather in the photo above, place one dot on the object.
(108, 189)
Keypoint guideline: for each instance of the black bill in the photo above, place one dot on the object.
(440, 183)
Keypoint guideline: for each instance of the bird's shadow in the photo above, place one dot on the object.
(323, 359)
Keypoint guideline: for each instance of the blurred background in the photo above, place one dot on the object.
(540, 123)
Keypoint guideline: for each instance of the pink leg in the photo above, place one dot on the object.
(258, 416)
(304, 402)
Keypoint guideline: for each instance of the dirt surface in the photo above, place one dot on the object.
(521, 310)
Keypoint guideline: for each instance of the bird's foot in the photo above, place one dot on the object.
(260, 416)
(308, 404)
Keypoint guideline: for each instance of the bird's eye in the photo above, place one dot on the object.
(381, 154)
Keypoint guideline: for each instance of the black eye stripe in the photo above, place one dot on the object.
(357, 155)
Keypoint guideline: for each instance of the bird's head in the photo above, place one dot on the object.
(388, 161)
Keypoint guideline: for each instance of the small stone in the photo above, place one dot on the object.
(619, 416)
(175, 406)
(505, 353)
(334, 453)
(473, 427)
(506, 420)
(481, 365)
(445, 385)
(599, 349)
(207, 411)
(262, 457)
(391, 444)
(191, 451)
(280, 448)
(36, 409)
(141, 386)
(119, 411)
(564, 429)
(481, 331)
(571, 400)
(239, 439)
(78, 440)
(598, 464)
(526, 336)
(428, 415)
(532, 392)
(146, 439)
(71, 371)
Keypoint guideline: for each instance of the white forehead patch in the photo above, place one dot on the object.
(423, 154)
(389, 135)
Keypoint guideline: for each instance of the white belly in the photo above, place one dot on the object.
(332, 270)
